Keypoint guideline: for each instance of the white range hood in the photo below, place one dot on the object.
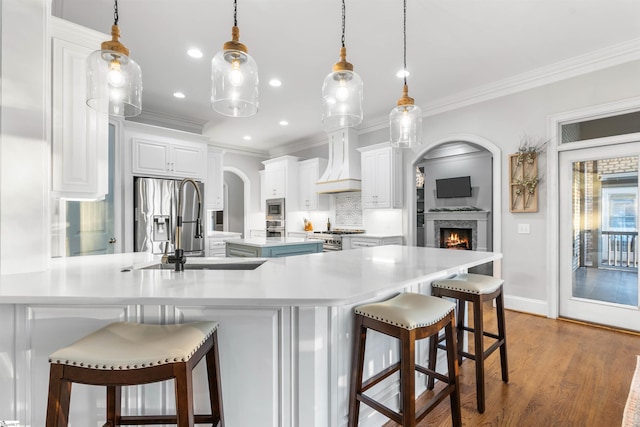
(343, 168)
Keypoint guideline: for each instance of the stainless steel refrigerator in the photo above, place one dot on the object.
(155, 213)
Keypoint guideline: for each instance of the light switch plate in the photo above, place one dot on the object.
(523, 229)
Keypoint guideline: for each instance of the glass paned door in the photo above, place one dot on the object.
(90, 224)
(599, 235)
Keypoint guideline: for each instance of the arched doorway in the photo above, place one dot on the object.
(449, 151)
(236, 200)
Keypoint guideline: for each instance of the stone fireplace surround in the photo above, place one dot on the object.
(475, 220)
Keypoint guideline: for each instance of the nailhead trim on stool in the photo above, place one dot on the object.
(476, 289)
(407, 317)
(125, 353)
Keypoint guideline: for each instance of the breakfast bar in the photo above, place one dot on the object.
(285, 326)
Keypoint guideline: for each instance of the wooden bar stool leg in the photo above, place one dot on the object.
(456, 413)
(114, 405)
(502, 333)
(478, 341)
(433, 358)
(408, 378)
(59, 398)
(184, 395)
(357, 366)
(461, 307)
(215, 386)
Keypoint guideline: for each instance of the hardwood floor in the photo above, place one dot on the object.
(561, 373)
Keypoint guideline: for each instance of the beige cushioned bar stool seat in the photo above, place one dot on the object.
(124, 353)
(477, 289)
(407, 317)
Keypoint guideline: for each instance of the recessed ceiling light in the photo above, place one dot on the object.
(179, 95)
(283, 122)
(275, 83)
(247, 137)
(403, 73)
(194, 53)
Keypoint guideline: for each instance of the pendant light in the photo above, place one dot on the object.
(234, 77)
(342, 92)
(405, 120)
(114, 81)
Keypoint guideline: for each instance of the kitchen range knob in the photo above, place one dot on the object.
(112, 240)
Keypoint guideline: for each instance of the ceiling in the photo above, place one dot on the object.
(452, 48)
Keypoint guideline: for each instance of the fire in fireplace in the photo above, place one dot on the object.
(456, 238)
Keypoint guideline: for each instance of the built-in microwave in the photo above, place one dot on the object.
(275, 209)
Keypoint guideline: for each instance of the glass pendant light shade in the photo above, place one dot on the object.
(342, 96)
(405, 122)
(234, 80)
(114, 81)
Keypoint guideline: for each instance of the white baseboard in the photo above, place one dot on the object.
(527, 305)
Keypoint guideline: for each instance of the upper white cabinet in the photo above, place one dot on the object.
(381, 177)
(308, 173)
(280, 180)
(173, 159)
(215, 180)
(80, 135)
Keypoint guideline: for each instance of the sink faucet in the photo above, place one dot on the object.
(178, 258)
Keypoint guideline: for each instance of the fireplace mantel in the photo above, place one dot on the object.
(458, 215)
(476, 220)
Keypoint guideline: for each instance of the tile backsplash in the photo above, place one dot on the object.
(348, 209)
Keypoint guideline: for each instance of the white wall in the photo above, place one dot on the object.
(476, 165)
(24, 146)
(504, 121)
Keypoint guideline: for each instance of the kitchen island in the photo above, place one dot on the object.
(272, 247)
(285, 328)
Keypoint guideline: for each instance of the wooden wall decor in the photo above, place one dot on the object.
(523, 192)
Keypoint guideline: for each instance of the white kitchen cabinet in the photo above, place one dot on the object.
(281, 180)
(381, 177)
(80, 135)
(217, 243)
(354, 241)
(214, 188)
(169, 159)
(308, 173)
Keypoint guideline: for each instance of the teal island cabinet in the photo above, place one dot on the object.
(272, 247)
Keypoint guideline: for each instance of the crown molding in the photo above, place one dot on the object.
(299, 145)
(67, 30)
(157, 118)
(611, 56)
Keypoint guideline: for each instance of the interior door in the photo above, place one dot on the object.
(598, 198)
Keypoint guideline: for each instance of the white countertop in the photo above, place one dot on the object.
(264, 242)
(322, 279)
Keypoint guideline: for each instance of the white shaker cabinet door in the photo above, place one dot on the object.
(189, 160)
(150, 157)
(168, 159)
(80, 135)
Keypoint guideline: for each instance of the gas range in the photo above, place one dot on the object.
(332, 239)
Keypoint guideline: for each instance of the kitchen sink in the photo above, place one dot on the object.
(239, 265)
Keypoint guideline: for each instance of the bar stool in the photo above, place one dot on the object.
(407, 317)
(477, 289)
(125, 353)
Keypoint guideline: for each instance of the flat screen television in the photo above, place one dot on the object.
(449, 188)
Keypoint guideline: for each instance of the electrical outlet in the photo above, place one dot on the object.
(523, 229)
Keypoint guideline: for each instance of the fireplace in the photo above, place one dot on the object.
(456, 238)
(477, 221)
